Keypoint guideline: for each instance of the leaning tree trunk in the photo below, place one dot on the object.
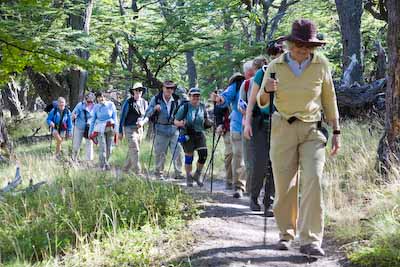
(350, 12)
(48, 86)
(389, 149)
(11, 99)
(77, 77)
(191, 69)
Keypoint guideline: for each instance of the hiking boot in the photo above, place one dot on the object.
(312, 250)
(189, 180)
(283, 244)
(254, 206)
(238, 193)
(228, 186)
(197, 177)
(268, 212)
(179, 177)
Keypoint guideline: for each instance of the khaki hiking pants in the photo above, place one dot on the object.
(238, 171)
(76, 145)
(228, 154)
(134, 137)
(295, 146)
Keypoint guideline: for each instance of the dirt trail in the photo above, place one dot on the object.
(229, 234)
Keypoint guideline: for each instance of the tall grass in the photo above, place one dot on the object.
(83, 206)
(362, 206)
(87, 217)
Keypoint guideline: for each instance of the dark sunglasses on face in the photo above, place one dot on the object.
(170, 88)
(301, 45)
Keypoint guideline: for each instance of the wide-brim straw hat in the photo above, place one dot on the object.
(138, 86)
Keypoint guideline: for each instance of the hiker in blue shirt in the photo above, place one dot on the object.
(230, 98)
(82, 115)
(162, 108)
(60, 123)
(104, 128)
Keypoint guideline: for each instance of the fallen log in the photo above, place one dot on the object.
(14, 183)
(33, 139)
(361, 99)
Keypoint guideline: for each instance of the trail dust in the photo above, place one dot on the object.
(229, 234)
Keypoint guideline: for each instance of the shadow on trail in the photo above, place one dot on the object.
(210, 257)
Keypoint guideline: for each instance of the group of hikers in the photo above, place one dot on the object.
(267, 143)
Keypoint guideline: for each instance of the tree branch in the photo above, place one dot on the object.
(382, 14)
(72, 59)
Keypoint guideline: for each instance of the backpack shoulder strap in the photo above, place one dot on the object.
(246, 85)
(84, 113)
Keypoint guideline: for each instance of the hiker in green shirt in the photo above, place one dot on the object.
(192, 117)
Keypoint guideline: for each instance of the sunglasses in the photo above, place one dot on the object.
(301, 45)
(170, 88)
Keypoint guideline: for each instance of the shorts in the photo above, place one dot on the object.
(61, 133)
(196, 141)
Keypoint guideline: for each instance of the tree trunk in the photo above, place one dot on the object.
(191, 69)
(48, 86)
(389, 149)
(381, 61)
(76, 77)
(350, 12)
(11, 99)
(228, 46)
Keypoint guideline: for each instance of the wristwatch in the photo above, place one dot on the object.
(336, 131)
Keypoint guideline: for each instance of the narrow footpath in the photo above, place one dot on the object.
(229, 234)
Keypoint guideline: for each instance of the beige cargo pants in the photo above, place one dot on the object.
(134, 137)
(298, 152)
(238, 170)
(228, 158)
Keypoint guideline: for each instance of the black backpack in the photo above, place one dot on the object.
(207, 123)
(153, 118)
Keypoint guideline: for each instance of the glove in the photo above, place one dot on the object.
(242, 104)
(183, 138)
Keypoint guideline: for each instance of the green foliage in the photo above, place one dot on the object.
(81, 206)
(383, 249)
(153, 39)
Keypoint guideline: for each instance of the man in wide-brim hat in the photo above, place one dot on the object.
(162, 108)
(303, 90)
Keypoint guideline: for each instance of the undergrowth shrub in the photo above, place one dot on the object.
(82, 206)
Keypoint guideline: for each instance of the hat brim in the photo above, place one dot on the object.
(138, 88)
(315, 42)
(197, 93)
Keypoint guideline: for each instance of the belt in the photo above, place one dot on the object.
(293, 119)
(164, 123)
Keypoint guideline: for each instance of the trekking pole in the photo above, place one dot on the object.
(173, 153)
(73, 135)
(212, 157)
(51, 137)
(151, 150)
(213, 144)
(271, 99)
